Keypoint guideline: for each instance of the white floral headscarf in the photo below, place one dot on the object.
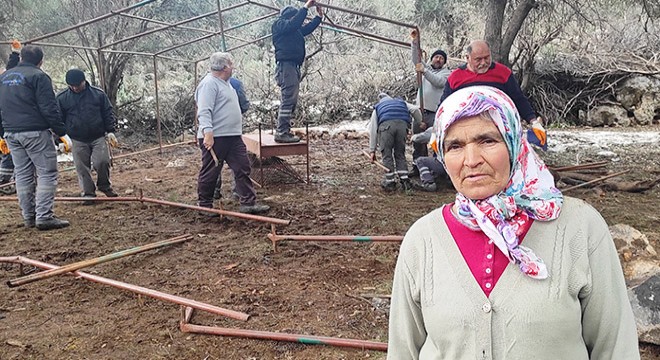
(530, 192)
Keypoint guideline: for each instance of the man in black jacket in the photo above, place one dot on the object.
(289, 41)
(89, 120)
(28, 109)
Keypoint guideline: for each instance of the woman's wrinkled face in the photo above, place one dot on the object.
(476, 157)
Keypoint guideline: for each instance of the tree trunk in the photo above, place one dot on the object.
(494, 21)
(517, 19)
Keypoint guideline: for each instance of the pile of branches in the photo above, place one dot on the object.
(594, 175)
(567, 84)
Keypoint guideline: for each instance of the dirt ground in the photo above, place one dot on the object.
(313, 288)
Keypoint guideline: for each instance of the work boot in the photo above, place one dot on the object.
(29, 223)
(110, 193)
(406, 186)
(89, 202)
(254, 209)
(414, 172)
(428, 187)
(52, 223)
(388, 186)
(286, 138)
(217, 194)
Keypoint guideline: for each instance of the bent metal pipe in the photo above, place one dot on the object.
(186, 327)
(135, 289)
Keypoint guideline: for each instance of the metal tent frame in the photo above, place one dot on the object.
(221, 31)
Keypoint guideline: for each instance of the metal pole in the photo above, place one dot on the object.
(135, 289)
(417, 58)
(214, 33)
(160, 135)
(383, 238)
(376, 17)
(99, 260)
(364, 33)
(277, 336)
(68, 46)
(195, 83)
(91, 21)
(260, 218)
(222, 31)
(129, 38)
(250, 42)
(73, 199)
(154, 21)
(220, 212)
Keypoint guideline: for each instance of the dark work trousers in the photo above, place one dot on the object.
(429, 169)
(88, 156)
(422, 149)
(287, 75)
(6, 168)
(232, 150)
(34, 153)
(392, 142)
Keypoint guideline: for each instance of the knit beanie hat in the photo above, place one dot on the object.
(75, 77)
(441, 53)
(288, 11)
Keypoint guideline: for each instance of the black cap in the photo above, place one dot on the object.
(441, 53)
(75, 77)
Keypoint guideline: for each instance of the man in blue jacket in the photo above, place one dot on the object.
(89, 120)
(289, 41)
(29, 111)
(388, 129)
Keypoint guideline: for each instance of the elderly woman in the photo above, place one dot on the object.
(511, 269)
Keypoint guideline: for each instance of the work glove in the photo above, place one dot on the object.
(4, 149)
(65, 145)
(537, 135)
(112, 140)
(16, 46)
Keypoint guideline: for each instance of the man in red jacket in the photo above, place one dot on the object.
(481, 70)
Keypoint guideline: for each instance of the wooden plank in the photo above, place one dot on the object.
(269, 148)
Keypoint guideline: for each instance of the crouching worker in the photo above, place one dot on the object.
(430, 168)
(388, 130)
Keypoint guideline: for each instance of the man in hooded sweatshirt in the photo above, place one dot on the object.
(289, 41)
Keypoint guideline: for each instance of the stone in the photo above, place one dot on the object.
(627, 237)
(648, 108)
(641, 96)
(645, 301)
(637, 270)
(607, 115)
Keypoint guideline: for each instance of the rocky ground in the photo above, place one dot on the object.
(336, 289)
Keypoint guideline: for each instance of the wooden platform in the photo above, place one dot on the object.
(263, 146)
